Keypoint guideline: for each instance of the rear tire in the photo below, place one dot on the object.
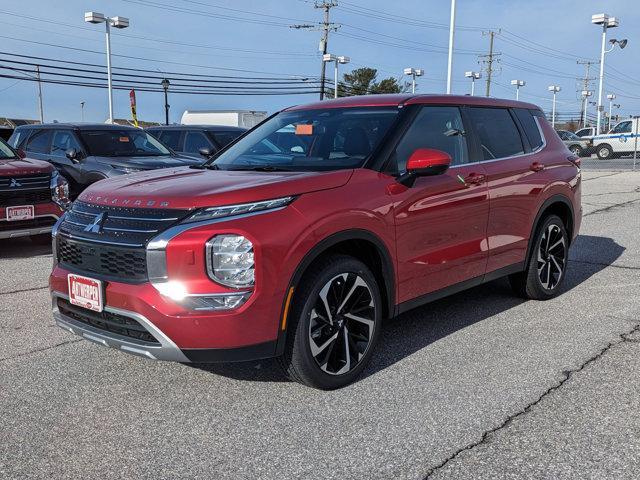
(547, 265)
(334, 324)
(604, 151)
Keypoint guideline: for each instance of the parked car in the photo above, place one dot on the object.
(190, 139)
(32, 196)
(86, 153)
(394, 201)
(230, 118)
(579, 146)
(619, 141)
(586, 132)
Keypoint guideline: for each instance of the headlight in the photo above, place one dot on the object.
(230, 260)
(240, 209)
(59, 190)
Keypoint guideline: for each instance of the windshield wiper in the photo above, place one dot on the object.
(263, 168)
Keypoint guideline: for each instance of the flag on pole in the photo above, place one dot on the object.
(132, 101)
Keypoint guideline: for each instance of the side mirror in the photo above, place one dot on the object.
(206, 152)
(425, 162)
(73, 155)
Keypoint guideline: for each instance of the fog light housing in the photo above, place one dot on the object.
(230, 261)
(227, 301)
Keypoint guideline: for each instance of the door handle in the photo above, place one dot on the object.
(536, 167)
(475, 179)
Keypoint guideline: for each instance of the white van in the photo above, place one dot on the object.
(229, 118)
(620, 140)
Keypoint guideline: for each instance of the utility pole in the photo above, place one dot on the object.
(489, 59)
(452, 31)
(40, 94)
(325, 26)
(586, 81)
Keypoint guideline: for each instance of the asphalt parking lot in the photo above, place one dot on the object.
(478, 385)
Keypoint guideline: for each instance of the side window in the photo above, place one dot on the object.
(63, 140)
(530, 127)
(563, 135)
(39, 142)
(440, 128)
(171, 138)
(194, 141)
(498, 134)
(622, 127)
(223, 138)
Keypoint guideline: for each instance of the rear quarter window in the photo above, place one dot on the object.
(530, 127)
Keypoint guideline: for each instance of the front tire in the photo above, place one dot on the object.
(547, 264)
(604, 151)
(576, 150)
(334, 324)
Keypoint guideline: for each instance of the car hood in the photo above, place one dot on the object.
(149, 162)
(23, 166)
(194, 188)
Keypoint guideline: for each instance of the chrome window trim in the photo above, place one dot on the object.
(526, 154)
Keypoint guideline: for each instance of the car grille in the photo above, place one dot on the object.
(108, 322)
(40, 222)
(25, 190)
(115, 249)
(127, 264)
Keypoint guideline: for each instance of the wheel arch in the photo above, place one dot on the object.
(361, 244)
(559, 205)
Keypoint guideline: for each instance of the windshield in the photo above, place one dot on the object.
(314, 140)
(5, 151)
(122, 143)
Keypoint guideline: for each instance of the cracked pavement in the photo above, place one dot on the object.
(478, 385)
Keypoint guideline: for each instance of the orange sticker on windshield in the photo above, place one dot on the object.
(304, 129)
(124, 139)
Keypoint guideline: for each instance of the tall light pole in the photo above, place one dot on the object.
(607, 22)
(518, 84)
(554, 89)
(473, 76)
(328, 57)
(82, 111)
(452, 31)
(115, 22)
(165, 86)
(585, 98)
(414, 72)
(611, 97)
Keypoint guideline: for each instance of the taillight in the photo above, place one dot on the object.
(575, 160)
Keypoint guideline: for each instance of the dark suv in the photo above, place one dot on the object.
(190, 139)
(86, 153)
(299, 249)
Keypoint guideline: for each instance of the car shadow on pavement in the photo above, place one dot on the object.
(422, 326)
(23, 247)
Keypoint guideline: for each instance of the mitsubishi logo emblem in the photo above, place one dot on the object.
(96, 225)
(14, 183)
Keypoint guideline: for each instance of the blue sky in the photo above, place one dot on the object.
(540, 43)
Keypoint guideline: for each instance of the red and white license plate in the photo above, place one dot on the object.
(21, 212)
(85, 292)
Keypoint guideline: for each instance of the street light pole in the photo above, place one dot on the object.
(452, 31)
(40, 107)
(473, 76)
(518, 84)
(414, 72)
(554, 89)
(116, 22)
(165, 86)
(328, 57)
(611, 97)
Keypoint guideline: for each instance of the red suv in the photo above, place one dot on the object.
(298, 239)
(32, 196)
